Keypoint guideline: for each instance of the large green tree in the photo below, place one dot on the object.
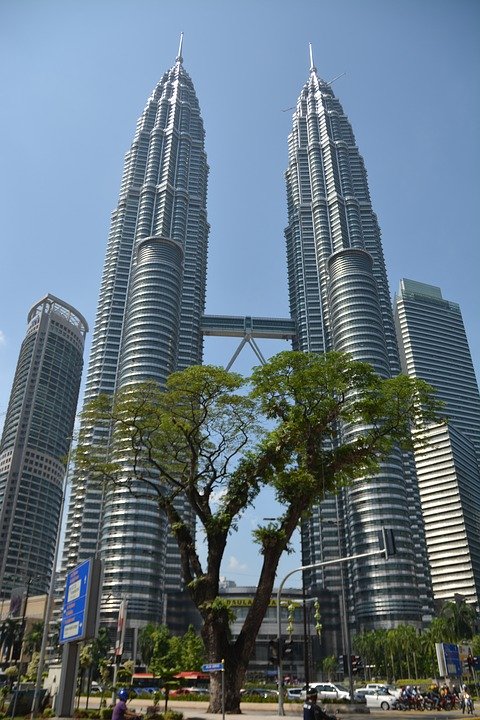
(201, 437)
(160, 649)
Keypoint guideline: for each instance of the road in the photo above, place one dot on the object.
(197, 710)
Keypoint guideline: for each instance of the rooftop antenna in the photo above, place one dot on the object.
(179, 57)
(312, 64)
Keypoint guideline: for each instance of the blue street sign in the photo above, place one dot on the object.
(72, 625)
(212, 667)
(452, 659)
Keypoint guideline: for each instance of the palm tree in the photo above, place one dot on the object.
(10, 632)
(33, 638)
(329, 666)
(460, 617)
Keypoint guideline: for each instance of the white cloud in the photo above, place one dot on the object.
(235, 565)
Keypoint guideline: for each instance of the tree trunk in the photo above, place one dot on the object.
(216, 636)
(232, 681)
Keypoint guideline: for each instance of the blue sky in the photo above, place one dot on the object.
(75, 75)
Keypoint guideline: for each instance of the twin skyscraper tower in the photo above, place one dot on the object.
(151, 321)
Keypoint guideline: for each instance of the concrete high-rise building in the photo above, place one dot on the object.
(340, 300)
(434, 347)
(151, 302)
(35, 442)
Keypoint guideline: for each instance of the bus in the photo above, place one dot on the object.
(145, 683)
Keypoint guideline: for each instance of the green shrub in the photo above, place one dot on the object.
(258, 698)
(169, 715)
(172, 715)
(48, 713)
(106, 713)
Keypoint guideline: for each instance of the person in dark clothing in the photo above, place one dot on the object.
(311, 709)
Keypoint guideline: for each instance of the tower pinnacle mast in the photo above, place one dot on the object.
(312, 64)
(179, 57)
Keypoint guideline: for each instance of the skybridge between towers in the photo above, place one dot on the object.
(248, 328)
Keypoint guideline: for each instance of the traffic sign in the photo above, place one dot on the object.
(72, 626)
(212, 667)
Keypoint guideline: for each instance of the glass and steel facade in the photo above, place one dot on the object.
(35, 442)
(434, 347)
(152, 298)
(340, 300)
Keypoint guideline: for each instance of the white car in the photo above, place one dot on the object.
(378, 687)
(328, 691)
(382, 699)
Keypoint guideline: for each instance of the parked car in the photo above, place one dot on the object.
(328, 691)
(259, 692)
(95, 687)
(381, 699)
(294, 693)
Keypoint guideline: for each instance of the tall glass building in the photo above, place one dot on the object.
(434, 347)
(340, 300)
(151, 301)
(35, 442)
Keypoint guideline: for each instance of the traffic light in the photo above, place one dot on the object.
(287, 649)
(357, 665)
(273, 652)
(343, 664)
(386, 541)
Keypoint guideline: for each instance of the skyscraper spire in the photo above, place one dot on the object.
(312, 64)
(179, 57)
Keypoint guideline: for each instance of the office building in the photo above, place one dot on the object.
(151, 301)
(339, 300)
(434, 347)
(35, 443)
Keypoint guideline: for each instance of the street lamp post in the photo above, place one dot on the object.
(387, 547)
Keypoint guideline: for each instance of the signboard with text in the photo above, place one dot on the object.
(79, 612)
(72, 626)
(449, 661)
(212, 667)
